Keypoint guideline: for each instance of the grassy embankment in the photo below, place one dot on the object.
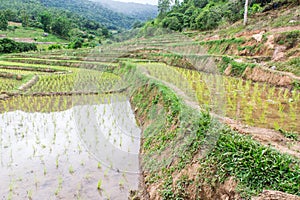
(189, 154)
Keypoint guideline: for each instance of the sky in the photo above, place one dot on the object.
(153, 2)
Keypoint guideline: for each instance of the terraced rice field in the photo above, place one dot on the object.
(255, 104)
(66, 136)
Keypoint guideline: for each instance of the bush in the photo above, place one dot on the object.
(76, 43)
(209, 18)
(255, 8)
(10, 46)
(289, 39)
(89, 44)
(172, 23)
(54, 46)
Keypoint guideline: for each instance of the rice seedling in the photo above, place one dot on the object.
(63, 145)
(99, 165)
(57, 162)
(71, 170)
(121, 183)
(29, 194)
(45, 171)
(59, 187)
(99, 184)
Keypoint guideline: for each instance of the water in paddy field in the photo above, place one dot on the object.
(68, 154)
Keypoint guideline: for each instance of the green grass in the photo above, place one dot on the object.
(222, 45)
(174, 134)
(33, 33)
(289, 134)
(21, 72)
(55, 61)
(284, 19)
(293, 66)
(254, 166)
(231, 30)
(59, 68)
(237, 68)
(289, 39)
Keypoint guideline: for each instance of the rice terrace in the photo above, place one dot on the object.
(97, 101)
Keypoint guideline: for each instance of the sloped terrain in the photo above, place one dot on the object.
(187, 151)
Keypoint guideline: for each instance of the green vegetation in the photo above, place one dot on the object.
(184, 151)
(292, 65)
(10, 46)
(3, 21)
(237, 68)
(40, 14)
(289, 39)
(35, 34)
(289, 134)
(255, 167)
(220, 47)
(208, 14)
(92, 11)
(175, 135)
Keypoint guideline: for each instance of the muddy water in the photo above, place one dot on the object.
(67, 154)
(254, 104)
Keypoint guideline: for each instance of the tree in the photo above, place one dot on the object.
(246, 13)
(61, 27)
(200, 3)
(11, 15)
(172, 23)
(25, 18)
(45, 19)
(163, 7)
(76, 43)
(3, 22)
(137, 24)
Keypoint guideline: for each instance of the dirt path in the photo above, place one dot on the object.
(266, 137)
(284, 29)
(27, 40)
(34, 94)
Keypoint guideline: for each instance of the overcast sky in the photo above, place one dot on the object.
(154, 2)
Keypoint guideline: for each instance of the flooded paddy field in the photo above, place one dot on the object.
(81, 147)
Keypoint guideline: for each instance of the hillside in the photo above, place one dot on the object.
(52, 20)
(141, 12)
(81, 10)
(190, 108)
(265, 50)
(93, 11)
(203, 134)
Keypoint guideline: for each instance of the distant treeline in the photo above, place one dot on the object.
(60, 22)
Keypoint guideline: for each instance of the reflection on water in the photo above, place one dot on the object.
(67, 154)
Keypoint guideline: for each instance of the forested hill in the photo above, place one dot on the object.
(93, 11)
(83, 10)
(31, 13)
(141, 12)
(209, 14)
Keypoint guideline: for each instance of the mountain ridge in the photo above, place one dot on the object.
(141, 12)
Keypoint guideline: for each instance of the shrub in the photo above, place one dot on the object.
(76, 43)
(171, 23)
(10, 46)
(289, 39)
(54, 46)
(209, 18)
